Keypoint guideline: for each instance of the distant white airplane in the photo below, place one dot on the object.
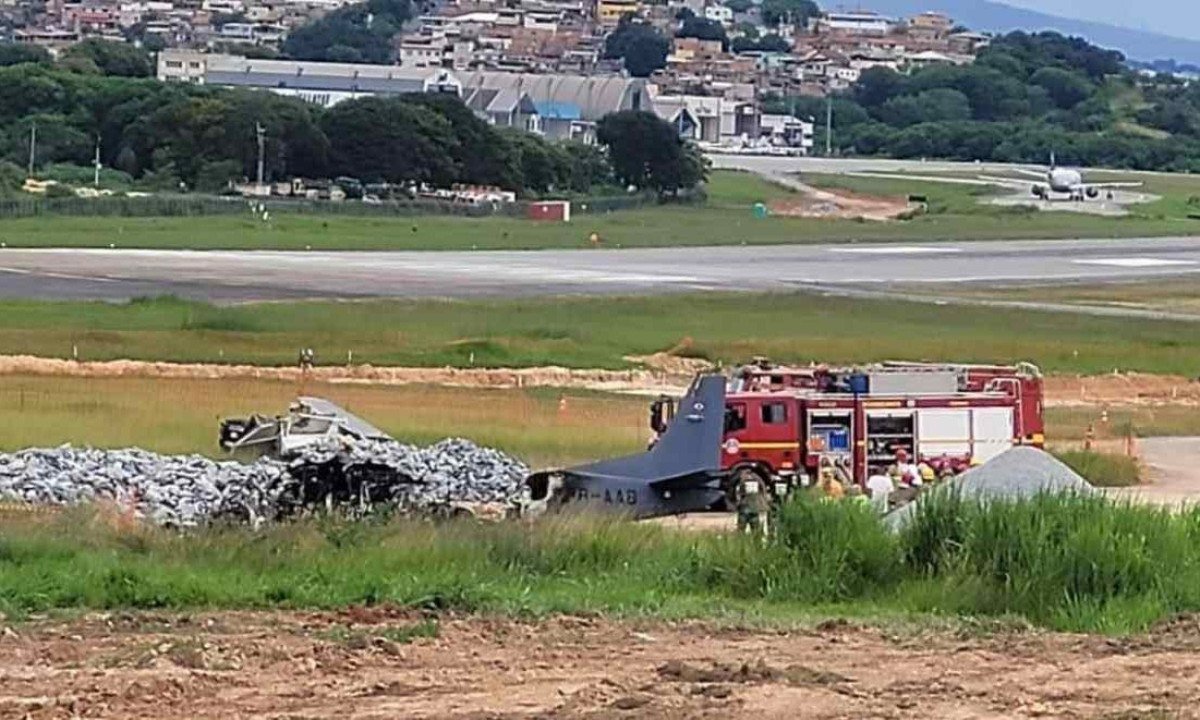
(1062, 181)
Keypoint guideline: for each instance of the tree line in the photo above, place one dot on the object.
(168, 134)
(1025, 96)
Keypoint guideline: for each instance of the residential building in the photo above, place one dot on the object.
(608, 12)
(925, 58)
(860, 22)
(188, 66)
(714, 120)
(929, 27)
(423, 52)
(53, 39)
(787, 131)
(253, 33)
(719, 13)
(967, 43)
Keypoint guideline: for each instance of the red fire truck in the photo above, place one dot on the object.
(785, 423)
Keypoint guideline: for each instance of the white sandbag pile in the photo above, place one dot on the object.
(187, 490)
(1020, 472)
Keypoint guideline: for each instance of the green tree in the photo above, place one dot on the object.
(482, 155)
(937, 105)
(57, 141)
(647, 153)
(703, 29)
(1175, 116)
(642, 48)
(1051, 49)
(18, 53)
(12, 177)
(589, 166)
(544, 167)
(1066, 89)
(767, 43)
(188, 133)
(108, 57)
(795, 12)
(155, 43)
(877, 85)
(387, 139)
(360, 32)
(216, 175)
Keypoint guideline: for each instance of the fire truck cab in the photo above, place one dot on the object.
(784, 424)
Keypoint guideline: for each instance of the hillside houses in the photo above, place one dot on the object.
(534, 64)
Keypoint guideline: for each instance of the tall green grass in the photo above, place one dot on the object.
(1070, 562)
(1074, 563)
(1103, 469)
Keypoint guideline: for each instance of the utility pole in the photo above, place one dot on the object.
(258, 132)
(829, 126)
(32, 146)
(96, 165)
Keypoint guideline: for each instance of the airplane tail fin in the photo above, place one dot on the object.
(690, 447)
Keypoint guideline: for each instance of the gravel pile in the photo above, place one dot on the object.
(187, 490)
(1019, 472)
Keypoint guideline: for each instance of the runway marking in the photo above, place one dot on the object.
(56, 275)
(895, 250)
(1135, 262)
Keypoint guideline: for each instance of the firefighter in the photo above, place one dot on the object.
(308, 359)
(904, 472)
(752, 504)
(926, 472)
(831, 489)
(855, 494)
(881, 488)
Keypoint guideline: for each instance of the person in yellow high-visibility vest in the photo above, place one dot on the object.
(830, 487)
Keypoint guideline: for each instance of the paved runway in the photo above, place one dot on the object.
(239, 275)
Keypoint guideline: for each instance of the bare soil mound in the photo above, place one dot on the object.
(1121, 389)
(821, 204)
(361, 663)
(660, 373)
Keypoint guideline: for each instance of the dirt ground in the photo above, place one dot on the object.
(1170, 472)
(811, 202)
(327, 665)
(1121, 389)
(661, 372)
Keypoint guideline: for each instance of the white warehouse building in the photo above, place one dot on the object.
(558, 106)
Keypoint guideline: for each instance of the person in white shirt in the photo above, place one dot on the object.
(880, 487)
(906, 472)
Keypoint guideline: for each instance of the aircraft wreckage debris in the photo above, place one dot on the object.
(188, 490)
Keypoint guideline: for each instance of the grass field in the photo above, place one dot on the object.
(1073, 563)
(1175, 295)
(1102, 469)
(181, 416)
(726, 219)
(595, 332)
(1070, 423)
